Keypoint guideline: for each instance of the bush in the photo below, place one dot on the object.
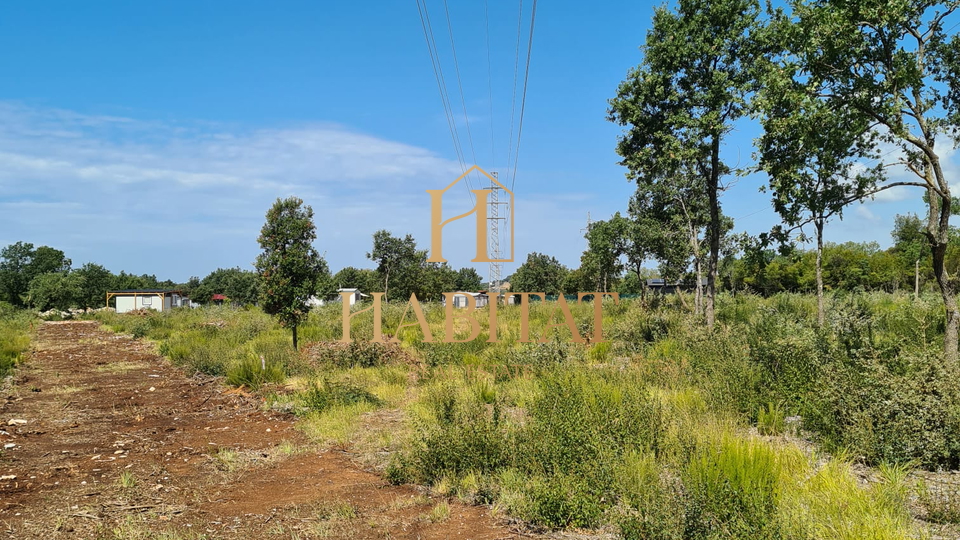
(253, 373)
(900, 412)
(458, 435)
(323, 396)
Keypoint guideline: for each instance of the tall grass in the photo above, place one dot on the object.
(14, 337)
(651, 432)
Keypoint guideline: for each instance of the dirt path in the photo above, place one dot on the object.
(117, 443)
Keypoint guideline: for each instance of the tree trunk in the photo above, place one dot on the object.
(295, 338)
(386, 282)
(643, 285)
(916, 281)
(698, 299)
(820, 311)
(938, 223)
(713, 187)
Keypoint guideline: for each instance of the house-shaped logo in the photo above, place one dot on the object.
(480, 212)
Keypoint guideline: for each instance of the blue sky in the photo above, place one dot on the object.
(152, 137)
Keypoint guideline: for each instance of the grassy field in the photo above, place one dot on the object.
(763, 428)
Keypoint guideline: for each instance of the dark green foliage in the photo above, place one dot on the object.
(291, 270)
(399, 264)
(239, 286)
(889, 411)
(20, 263)
(359, 353)
(320, 397)
(539, 273)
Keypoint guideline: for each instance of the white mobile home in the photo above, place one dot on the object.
(355, 295)
(156, 299)
(460, 299)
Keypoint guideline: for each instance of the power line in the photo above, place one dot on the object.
(441, 86)
(513, 100)
(486, 21)
(463, 101)
(523, 104)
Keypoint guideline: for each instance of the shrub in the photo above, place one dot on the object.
(458, 435)
(323, 396)
(889, 413)
(253, 373)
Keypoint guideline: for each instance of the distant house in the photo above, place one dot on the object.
(460, 299)
(156, 299)
(661, 286)
(355, 295)
(218, 299)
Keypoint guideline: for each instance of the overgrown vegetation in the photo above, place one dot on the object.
(665, 431)
(14, 337)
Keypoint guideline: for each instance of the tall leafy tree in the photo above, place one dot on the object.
(55, 290)
(20, 263)
(912, 248)
(810, 151)
(95, 281)
(539, 273)
(397, 259)
(289, 266)
(605, 240)
(897, 65)
(469, 280)
(695, 81)
(672, 213)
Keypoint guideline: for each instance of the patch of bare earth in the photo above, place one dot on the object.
(102, 438)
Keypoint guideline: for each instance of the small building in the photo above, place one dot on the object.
(156, 299)
(355, 295)
(660, 285)
(460, 299)
(218, 299)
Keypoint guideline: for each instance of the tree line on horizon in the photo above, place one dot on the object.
(42, 277)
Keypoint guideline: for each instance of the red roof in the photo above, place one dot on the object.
(218, 297)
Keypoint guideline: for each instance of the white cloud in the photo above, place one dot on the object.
(181, 199)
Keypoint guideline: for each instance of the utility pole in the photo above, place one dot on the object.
(493, 215)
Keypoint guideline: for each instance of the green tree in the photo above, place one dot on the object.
(539, 273)
(896, 65)
(20, 263)
(468, 280)
(397, 259)
(810, 151)
(54, 290)
(356, 278)
(95, 281)
(695, 81)
(436, 279)
(912, 248)
(601, 262)
(238, 285)
(289, 266)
